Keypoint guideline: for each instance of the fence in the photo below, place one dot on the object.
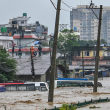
(85, 103)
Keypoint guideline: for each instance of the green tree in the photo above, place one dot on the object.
(44, 44)
(67, 39)
(102, 41)
(7, 66)
(90, 42)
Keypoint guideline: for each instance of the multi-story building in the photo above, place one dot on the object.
(20, 24)
(89, 54)
(86, 22)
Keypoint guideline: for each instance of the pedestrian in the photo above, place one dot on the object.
(40, 49)
(19, 52)
(32, 50)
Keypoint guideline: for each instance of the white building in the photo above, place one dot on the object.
(6, 41)
(25, 42)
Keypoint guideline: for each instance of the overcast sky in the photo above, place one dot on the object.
(41, 10)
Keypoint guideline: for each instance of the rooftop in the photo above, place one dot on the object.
(28, 49)
(17, 36)
(41, 64)
(6, 38)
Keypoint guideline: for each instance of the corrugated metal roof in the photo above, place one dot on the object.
(41, 64)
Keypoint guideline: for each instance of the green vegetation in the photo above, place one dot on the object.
(92, 107)
(7, 66)
(66, 41)
(44, 44)
(67, 107)
(90, 42)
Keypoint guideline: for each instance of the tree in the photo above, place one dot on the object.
(44, 44)
(90, 42)
(67, 39)
(7, 66)
(102, 41)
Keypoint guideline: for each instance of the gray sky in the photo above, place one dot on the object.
(41, 10)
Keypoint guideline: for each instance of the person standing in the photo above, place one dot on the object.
(19, 52)
(40, 49)
(32, 50)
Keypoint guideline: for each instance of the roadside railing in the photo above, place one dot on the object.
(85, 103)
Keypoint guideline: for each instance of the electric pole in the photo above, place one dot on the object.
(97, 52)
(65, 63)
(32, 69)
(53, 61)
(50, 51)
(83, 64)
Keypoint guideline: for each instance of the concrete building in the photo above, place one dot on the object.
(25, 42)
(6, 41)
(84, 21)
(20, 24)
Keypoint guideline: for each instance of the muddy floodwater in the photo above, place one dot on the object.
(37, 100)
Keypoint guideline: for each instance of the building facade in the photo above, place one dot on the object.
(6, 41)
(85, 21)
(20, 24)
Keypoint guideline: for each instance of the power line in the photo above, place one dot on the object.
(53, 4)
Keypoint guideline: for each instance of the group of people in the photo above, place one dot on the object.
(34, 53)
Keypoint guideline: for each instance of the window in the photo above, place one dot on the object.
(42, 84)
(94, 53)
(86, 53)
(78, 53)
(84, 24)
(79, 63)
(108, 53)
(84, 38)
(22, 22)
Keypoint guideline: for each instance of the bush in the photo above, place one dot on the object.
(67, 107)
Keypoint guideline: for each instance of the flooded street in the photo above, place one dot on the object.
(37, 100)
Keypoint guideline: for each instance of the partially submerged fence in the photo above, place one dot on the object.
(85, 103)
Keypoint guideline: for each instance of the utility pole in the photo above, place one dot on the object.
(83, 64)
(65, 63)
(50, 51)
(53, 61)
(97, 52)
(32, 64)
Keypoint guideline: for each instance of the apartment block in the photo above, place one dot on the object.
(86, 22)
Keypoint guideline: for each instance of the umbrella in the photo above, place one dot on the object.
(38, 42)
(13, 44)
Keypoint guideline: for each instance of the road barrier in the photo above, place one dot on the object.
(85, 103)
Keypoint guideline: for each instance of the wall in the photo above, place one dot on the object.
(43, 78)
(59, 73)
(29, 78)
(6, 44)
(103, 62)
(24, 42)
